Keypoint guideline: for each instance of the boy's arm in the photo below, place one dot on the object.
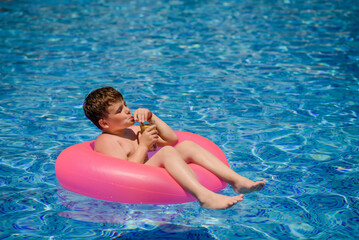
(165, 132)
(145, 142)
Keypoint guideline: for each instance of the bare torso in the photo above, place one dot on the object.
(120, 145)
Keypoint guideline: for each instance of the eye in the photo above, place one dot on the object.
(119, 110)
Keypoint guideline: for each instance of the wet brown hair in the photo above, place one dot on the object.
(96, 103)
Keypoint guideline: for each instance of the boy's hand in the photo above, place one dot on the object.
(142, 115)
(149, 137)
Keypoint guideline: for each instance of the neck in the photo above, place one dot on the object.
(120, 133)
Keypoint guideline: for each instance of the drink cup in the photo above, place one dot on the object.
(143, 127)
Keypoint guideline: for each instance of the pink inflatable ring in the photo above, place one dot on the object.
(82, 170)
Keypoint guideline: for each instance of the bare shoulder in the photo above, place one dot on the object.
(104, 139)
(110, 145)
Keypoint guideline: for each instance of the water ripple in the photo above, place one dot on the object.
(274, 84)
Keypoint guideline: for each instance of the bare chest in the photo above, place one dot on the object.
(129, 146)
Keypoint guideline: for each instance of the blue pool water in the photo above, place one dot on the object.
(274, 83)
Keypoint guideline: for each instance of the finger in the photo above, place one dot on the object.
(140, 119)
(138, 115)
(143, 119)
(135, 115)
(150, 128)
(143, 116)
(149, 115)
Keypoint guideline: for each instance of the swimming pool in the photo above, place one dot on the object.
(273, 83)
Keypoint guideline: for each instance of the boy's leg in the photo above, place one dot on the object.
(192, 152)
(171, 160)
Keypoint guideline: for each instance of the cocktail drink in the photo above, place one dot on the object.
(143, 127)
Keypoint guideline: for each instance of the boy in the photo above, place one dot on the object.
(106, 108)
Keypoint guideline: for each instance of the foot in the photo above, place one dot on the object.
(218, 201)
(244, 185)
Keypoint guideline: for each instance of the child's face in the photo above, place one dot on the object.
(119, 117)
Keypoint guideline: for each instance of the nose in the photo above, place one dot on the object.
(127, 109)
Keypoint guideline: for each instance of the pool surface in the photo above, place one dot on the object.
(273, 83)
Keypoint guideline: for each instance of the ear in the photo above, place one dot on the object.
(103, 123)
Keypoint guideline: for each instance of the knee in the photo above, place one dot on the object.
(188, 150)
(169, 154)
